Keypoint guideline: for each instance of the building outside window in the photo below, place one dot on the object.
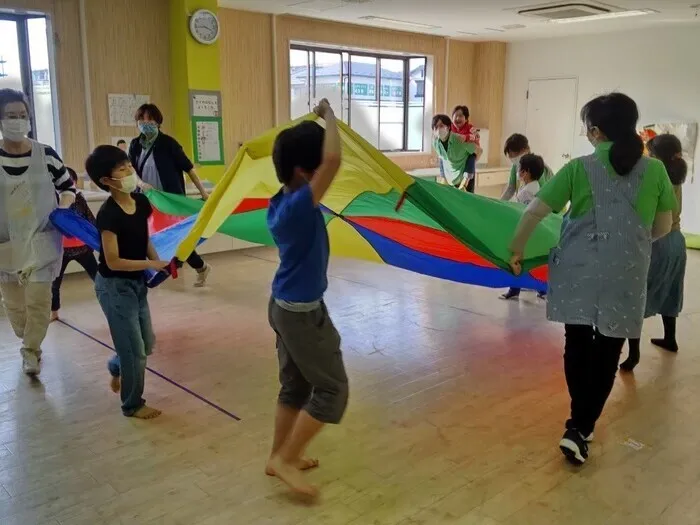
(382, 97)
(25, 66)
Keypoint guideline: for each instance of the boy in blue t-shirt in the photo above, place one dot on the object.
(314, 385)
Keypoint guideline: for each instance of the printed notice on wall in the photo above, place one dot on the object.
(208, 147)
(122, 107)
(205, 104)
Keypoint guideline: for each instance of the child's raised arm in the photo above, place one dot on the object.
(330, 162)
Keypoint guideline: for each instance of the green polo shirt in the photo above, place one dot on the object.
(513, 180)
(571, 184)
(454, 157)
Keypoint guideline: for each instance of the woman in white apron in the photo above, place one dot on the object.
(33, 182)
(620, 201)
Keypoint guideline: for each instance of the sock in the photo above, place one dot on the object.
(669, 341)
(632, 357)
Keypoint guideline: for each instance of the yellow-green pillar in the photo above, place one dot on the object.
(194, 67)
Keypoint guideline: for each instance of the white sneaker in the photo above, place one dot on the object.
(30, 365)
(202, 277)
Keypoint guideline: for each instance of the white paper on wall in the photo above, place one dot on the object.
(205, 105)
(208, 143)
(122, 107)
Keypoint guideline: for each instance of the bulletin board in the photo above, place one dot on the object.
(207, 127)
(122, 107)
(208, 140)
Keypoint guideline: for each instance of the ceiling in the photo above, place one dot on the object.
(476, 19)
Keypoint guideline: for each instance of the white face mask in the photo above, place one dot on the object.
(442, 133)
(15, 129)
(128, 183)
(516, 160)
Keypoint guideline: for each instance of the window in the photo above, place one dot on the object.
(25, 66)
(382, 97)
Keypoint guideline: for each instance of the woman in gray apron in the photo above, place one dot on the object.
(31, 251)
(620, 201)
(668, 256)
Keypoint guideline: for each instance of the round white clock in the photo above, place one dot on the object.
(204, 27)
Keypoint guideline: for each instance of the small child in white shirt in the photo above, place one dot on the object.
(530, 170)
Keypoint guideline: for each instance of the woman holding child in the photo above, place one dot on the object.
(455, 153)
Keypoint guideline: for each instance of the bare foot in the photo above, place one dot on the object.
(303, 464)
(291, 475)
(115, 384)
(54, 316)
(146, 413)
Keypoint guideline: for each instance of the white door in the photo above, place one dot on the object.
(551, 119)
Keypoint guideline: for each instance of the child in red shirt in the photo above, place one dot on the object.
(462, 126)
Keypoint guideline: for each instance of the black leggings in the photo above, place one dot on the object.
(195, 261)
(86, 260)
(590, 365)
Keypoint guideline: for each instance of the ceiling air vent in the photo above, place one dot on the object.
(564, 11)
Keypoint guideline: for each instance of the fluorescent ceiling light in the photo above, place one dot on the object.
(398, 22)
(603, 16)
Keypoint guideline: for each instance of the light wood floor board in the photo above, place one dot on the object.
(457, 404)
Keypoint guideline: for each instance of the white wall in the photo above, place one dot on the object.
(659, 68)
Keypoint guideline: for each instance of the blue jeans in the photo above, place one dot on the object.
(125, 305)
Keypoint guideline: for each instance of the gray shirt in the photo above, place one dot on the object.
(149, 172)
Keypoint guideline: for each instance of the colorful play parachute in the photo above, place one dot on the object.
(376, 212)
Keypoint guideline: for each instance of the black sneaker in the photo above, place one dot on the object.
(512, 293)
(574, 447)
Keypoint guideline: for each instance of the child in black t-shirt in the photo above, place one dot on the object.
(73, 249)
(120, 284)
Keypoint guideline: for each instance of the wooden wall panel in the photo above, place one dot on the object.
(128, 52)
(460, 76)
(45, 6)
(70, 83)
(246, 76)
(489, 79)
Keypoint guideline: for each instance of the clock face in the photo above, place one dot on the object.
(204, 27)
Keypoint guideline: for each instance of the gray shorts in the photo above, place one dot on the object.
(311, 370)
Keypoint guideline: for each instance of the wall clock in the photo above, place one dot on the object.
(204, 27)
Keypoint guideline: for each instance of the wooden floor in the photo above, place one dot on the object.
(457, 404)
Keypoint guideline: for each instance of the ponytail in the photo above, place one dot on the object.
(669, 150)
(626, 152)
(677, 169)
(616, 115)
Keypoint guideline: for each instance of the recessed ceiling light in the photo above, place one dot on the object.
(603, 16)
(398, 22)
